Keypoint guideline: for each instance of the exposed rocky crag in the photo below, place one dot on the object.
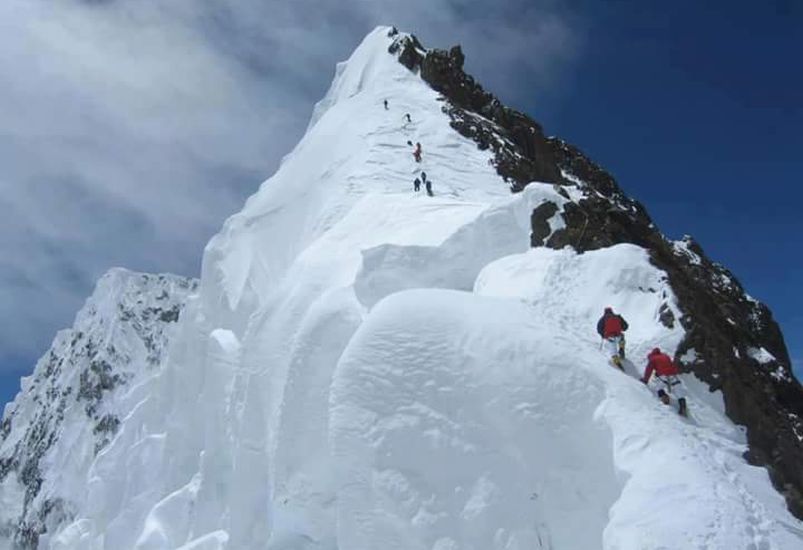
(69, 409)
(522, 153)
(732, 341)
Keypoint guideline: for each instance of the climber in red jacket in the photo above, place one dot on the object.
(666, 376)
(611, 328)
(417, 152)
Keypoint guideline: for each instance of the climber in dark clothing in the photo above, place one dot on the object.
(611, 328)
(417, 185)
(386, 104)
(427, 183)
(407, 116)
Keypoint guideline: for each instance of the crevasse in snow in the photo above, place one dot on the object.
(365, 367)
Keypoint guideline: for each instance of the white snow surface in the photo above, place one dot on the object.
(365, 368)
(761, 355)
(70, 406)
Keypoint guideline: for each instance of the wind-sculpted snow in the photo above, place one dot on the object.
(498, 230)
(466, 421)
(686, 484)
(365, 367)
(460, 421)
(573, 290)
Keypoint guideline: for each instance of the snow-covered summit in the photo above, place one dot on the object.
(70, 408)
(366, 366)
(354, 156)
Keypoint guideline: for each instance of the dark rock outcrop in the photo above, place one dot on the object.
(732, 341)
(521, 151)
(539, 221)
(726, 330)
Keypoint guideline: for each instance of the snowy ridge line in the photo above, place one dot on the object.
(722, 321)
(365, 367)
(73, 404)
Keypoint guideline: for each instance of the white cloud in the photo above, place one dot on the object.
(130, 129)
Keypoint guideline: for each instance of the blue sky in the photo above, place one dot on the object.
(134, 128)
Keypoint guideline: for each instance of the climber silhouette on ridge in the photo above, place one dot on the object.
(427, 183)
(611, 328)
(666, 378)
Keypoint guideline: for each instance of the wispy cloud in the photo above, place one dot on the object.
(129, 130)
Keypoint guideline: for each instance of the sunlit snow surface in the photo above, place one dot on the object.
(365, 368)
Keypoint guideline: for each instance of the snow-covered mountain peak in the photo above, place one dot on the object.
(72, 405)
(355, 153)
(367, 365)
(368, 68)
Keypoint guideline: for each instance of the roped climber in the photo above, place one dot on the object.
(666, 379)
(611, 328)
(427, 184)
(417, 152)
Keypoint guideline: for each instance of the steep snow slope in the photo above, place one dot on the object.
(369, 368)
(70, 408)
(488, 420)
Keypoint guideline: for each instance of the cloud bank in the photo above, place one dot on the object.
(130, 129)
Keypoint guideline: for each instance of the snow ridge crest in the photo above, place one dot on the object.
(369, 366)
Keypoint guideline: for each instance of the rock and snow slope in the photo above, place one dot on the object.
(487, 420)
(725, 328)
(368, 368)
(72, 405)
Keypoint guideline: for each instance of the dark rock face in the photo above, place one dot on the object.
(521, 152)
(408, 49)
(539, 221)
(725, 328)
(732, 341)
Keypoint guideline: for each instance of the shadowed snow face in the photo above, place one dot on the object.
(131, 129)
